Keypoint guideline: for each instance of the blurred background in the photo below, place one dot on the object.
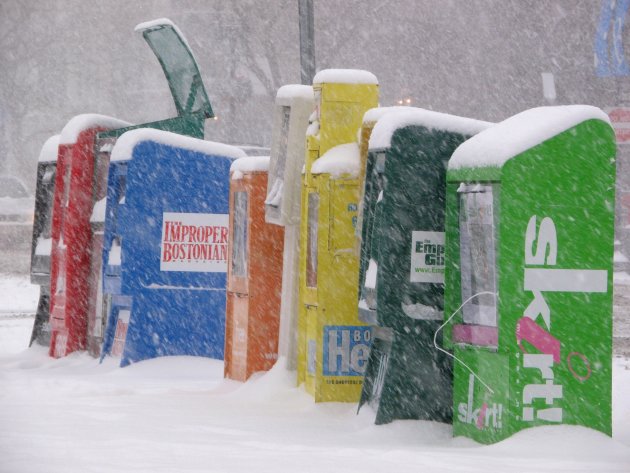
(485, 59)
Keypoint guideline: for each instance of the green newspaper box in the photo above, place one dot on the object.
(402, 262)
(184, 81)
(529, 275)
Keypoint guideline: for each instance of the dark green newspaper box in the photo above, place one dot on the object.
(402, 261)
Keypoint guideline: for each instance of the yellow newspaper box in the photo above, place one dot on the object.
(333, 345)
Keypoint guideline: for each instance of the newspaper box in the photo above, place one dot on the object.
(402, 251)
(294, 105)
(529, 246)
(173, 235)
(254, 273)
(77, 188)
(333, 344)
(42, 238)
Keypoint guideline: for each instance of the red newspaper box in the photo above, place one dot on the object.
(80, 181)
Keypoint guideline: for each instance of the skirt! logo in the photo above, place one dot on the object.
(541, 250)
(484, 416)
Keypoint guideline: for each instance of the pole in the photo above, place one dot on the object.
(307, 41)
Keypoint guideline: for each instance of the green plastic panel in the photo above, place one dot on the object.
(550, 363)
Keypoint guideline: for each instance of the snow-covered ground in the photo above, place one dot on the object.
(179, 415)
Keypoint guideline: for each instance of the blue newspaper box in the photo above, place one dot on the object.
(165, 246)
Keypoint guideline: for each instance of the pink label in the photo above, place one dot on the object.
(531, 332)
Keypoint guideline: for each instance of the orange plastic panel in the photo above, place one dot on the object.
(253, 301)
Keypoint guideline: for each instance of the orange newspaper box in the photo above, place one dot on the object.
(254, 273)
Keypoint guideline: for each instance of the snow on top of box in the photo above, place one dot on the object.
(396, 118)
(98, 211)
(76, 125)
(50, 150)
(375, 114)
(290, 91)
(147, 25)
(509, 138)
(344, 76)
(342, 159)
(249, 164)
(124, 146)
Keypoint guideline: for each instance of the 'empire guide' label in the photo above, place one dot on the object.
(427, 257)
(194, 242)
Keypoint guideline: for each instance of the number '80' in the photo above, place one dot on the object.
(362, 335)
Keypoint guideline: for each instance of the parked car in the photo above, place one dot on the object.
(16, 204)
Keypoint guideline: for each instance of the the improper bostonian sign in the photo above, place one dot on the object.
(194, 242)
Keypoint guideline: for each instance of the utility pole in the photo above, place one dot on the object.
(307, 41)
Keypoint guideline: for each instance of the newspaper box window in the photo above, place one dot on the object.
(312, 240)
(402, 291)
(275, 195)
(478, 250)
(254, 273)
(239, 249)
(174, 246)
(529, 231)
(96, 321)
(180, 68)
